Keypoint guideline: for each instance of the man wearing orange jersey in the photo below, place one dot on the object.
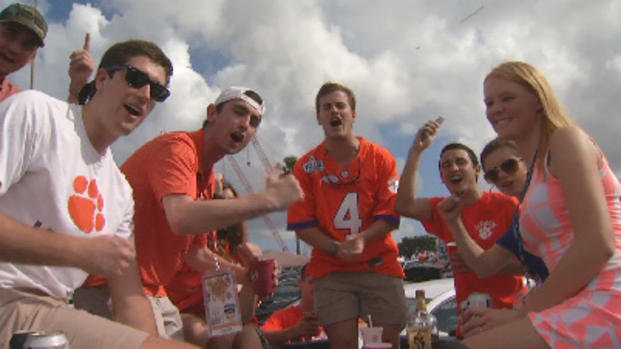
(347, 215)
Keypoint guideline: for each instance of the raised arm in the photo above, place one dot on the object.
(407, 204)
(81, 67)
(188, 216)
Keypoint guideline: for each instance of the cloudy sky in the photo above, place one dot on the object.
(408, 61)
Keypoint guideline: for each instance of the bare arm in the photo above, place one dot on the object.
(575, 161)
(19, 243)
(131, 306)
(202, 259)
(484, 263)
(406, 203)
(317, 238)
(188, 216)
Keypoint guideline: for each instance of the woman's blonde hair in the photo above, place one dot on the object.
(553, 116)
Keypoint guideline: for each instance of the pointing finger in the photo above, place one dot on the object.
(87, 42)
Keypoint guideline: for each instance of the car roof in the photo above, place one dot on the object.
(433, 288)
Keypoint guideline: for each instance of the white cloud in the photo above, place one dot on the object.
(408, 61)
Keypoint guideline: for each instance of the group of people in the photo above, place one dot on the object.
(135, 240)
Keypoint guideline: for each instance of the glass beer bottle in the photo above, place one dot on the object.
(422, 326)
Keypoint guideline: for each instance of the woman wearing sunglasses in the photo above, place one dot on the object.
(569, 217)
(504, 169)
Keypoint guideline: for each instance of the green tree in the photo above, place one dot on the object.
(289, 161)
(417, 244)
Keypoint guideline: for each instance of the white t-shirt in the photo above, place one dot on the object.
(52, 177)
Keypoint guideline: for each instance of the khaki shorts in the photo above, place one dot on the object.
(167, 318)
(20, 310)
(346, 295)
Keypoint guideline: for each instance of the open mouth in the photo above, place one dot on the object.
(133, 110)
(335, 122)
(456, 179)
(506, 184)
(237, 137)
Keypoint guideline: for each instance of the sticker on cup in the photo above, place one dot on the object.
(477, 299)
(371, 334)
(261, 274)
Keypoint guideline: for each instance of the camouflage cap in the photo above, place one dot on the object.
(27, 16)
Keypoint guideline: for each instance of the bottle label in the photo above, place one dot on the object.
(419, 338)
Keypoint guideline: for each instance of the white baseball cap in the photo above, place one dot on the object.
(246, 94)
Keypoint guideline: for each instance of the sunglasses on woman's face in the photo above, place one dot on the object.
(508, 166)
(136, 78)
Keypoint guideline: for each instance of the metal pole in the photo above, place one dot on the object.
(32, 64)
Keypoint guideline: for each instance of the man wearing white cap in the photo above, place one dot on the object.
(173, 181)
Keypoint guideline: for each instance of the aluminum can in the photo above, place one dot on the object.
(19, 338)
(39, 340)
(477, 299)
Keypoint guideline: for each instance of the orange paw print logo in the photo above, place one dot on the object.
(86, 204)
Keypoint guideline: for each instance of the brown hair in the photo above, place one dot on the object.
(494, 145)
(330, 87)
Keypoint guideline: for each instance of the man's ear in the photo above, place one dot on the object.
(211, 112)
(100, 77)
(32, 56)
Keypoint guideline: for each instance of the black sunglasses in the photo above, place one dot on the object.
(508, 166)
(136, 78)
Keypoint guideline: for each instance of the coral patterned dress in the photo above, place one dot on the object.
(592, 318)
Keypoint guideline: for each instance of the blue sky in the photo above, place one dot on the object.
(408, 62)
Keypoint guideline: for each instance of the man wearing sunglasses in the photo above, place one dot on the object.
(66, 210)
(485, 215)
(173, 183)
(347, 215)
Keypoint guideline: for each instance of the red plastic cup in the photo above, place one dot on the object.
(261, 275)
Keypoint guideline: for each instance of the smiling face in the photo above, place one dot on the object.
(335, 115)
(457, 171)
(232, 125)
(511, 108)
(511, 182)
(124, 107)
(18, 46)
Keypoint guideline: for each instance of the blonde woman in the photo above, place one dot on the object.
(570, 217)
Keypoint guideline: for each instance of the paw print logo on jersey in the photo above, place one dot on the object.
(86, 204)
(485, 228)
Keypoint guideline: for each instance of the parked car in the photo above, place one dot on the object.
(416, 271)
